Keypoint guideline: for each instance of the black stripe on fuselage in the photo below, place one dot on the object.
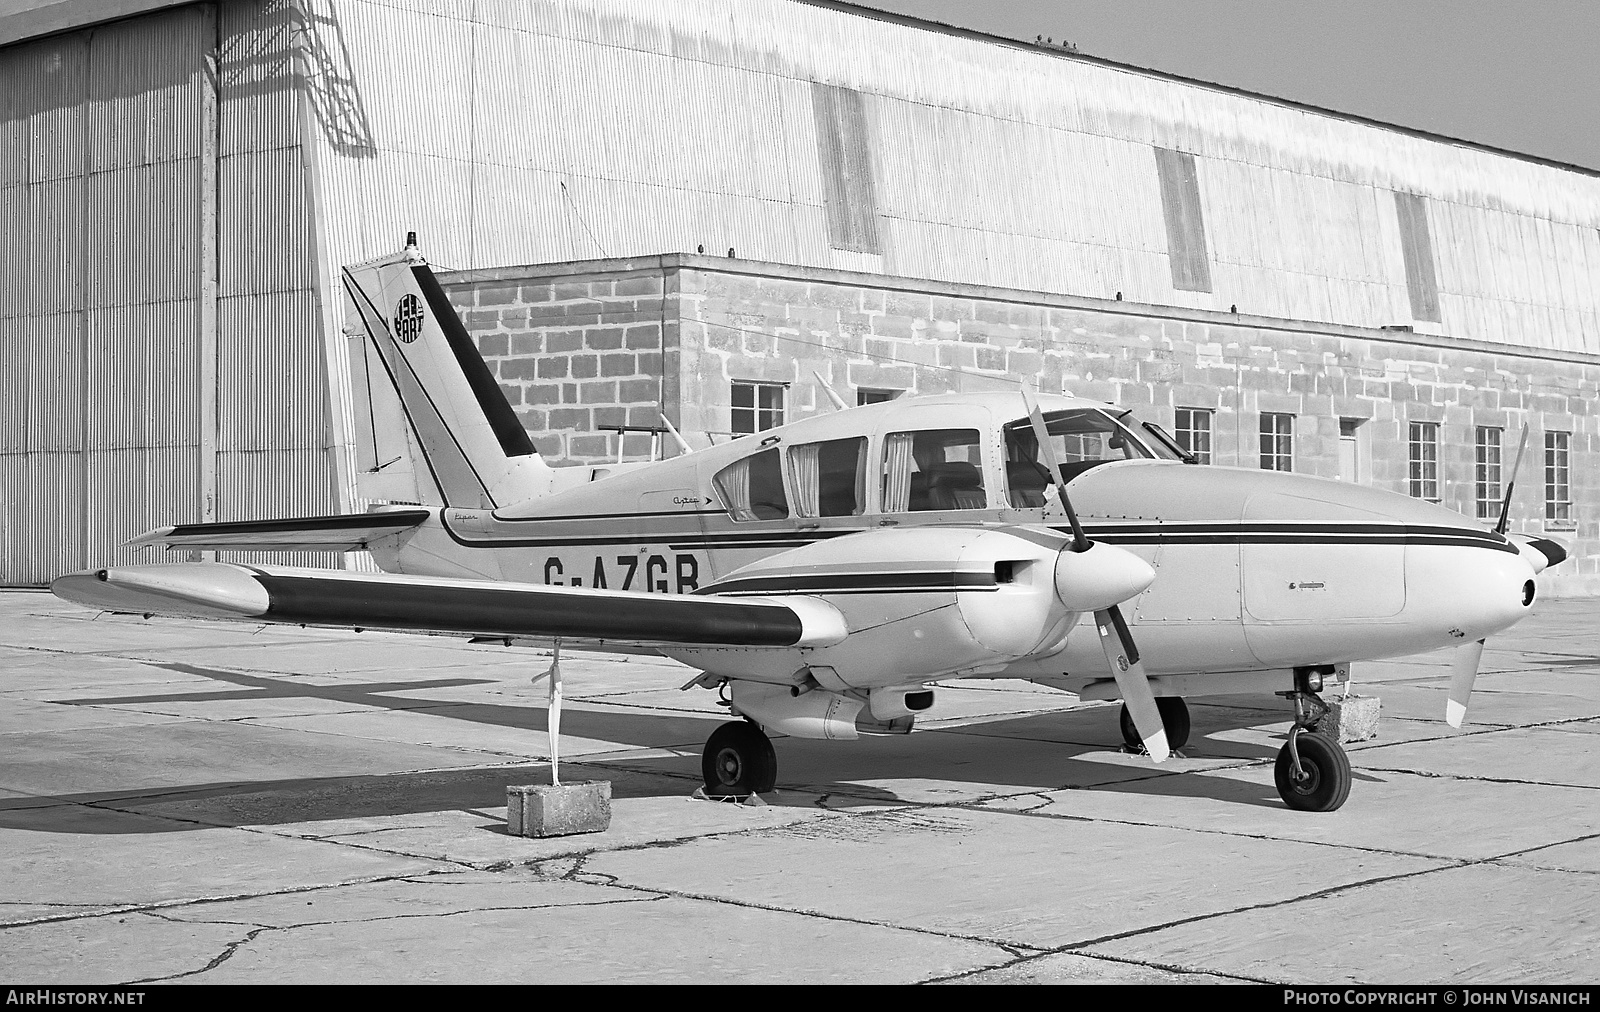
(1295, 534)
(526, 611)
(855, 583)
(1175, 533)
(590, 517)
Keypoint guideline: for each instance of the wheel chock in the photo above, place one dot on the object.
(748, 800)
(558, 809)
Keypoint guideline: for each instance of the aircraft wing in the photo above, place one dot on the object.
(345, 533)
(325, 597)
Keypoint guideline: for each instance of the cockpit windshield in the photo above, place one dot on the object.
(1081, 438)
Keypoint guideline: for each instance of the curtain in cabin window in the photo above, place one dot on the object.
(897, 472)
(733, 484)
(806, 472)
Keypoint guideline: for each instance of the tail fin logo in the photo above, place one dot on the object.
(408, 319)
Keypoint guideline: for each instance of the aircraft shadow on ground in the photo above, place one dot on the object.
(1046, 751)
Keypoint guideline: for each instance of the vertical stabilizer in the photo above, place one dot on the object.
(467, 437)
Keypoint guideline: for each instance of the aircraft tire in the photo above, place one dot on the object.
(738, 761)
(1328, 785)
(1174, 720)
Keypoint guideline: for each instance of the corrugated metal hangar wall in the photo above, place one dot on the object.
(179, 188)
(159, 350)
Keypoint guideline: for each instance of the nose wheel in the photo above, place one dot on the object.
(1312, 772)
(1174, 720)
(738, 761)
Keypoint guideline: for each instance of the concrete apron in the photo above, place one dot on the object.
(212, 803)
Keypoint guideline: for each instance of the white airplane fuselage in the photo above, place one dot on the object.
(1256, 571)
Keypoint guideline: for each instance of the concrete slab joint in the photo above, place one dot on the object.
(541, 810)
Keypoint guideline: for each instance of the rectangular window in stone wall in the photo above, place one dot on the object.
(844, 150)
(1422, 461)
(1486, 471)
(1350, 449)
(1416, 247)
(1277, 441)
(756, 406)
(867, 395)
(1193, 427)
(1557, 479)
(1186, 227)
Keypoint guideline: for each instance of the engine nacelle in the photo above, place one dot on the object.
(894, 701)
(793, 711)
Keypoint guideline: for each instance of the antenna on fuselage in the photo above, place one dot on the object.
(1505, 507)
(833, 396)
(672, 430)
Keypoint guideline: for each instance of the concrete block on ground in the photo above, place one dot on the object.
(558, 810)
(1351, 718)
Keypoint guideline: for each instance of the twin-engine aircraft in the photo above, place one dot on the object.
(824, 574)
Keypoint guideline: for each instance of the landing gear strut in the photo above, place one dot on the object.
(1312, 772)
(738, 761)
(1174, 720)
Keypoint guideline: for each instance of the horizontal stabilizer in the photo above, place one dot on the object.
(347, 533)
(337, 598)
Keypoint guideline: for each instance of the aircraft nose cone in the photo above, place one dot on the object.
(1100, 577)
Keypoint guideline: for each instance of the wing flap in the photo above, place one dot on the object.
(438, 604)
(344, 533)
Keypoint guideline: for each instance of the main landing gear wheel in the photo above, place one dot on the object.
(1324, 780)
(738, 761)
(1174, 720)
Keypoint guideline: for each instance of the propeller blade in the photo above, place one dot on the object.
(1042, 435)
(1505, 507)
(1123, 659)
(1463, 672)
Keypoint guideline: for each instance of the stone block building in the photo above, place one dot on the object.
(721, 346)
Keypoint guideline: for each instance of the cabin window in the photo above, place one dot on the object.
(752, 489)
(1557, 478)
(829, 478)
(935, 469)
(1486, 470)
(1081, 439)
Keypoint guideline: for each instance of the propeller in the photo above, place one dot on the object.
(1464, 665)
(1097, 578)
